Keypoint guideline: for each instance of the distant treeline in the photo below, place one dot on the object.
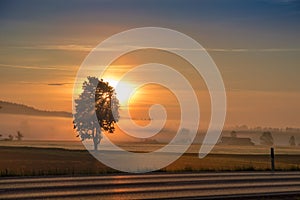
(259, 129)
(20, 109)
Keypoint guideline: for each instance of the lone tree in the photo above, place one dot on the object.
(292, 141)
(233, 134)
(19, 136)
(99, 98)
(266, 138)
(10, 137)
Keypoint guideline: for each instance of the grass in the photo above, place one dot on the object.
(32, 161)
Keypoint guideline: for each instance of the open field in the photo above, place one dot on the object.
(134, 147)
(17, 161)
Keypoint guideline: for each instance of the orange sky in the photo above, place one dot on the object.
(42, 47)
(51, 89)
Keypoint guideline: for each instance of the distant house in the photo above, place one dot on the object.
(236, 141)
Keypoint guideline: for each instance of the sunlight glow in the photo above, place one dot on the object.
(122, 89)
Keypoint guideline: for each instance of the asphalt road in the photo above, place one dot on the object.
(278, 185)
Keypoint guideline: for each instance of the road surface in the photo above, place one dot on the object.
(252, 185)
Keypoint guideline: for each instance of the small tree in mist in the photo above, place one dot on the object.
(19, 136)
(233, 134)
(292, 141)
(10, 137)
(99, 98)
(266, 139)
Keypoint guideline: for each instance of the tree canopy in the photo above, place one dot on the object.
(99, 98)
(292, 141)
(266, 138)
(10, 137)
(233, 134)
(19, 135)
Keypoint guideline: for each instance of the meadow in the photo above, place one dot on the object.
(28, 158)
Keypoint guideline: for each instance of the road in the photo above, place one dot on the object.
(252, 185)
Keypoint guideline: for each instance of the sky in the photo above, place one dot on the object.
(254, 43)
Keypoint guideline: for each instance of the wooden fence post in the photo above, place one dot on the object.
(272, 159)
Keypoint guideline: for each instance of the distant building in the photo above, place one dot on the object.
(236, 141)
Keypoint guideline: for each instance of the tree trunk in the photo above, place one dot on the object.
(96, 139)
(95, 144)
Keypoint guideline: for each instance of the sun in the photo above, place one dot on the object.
(123, 90)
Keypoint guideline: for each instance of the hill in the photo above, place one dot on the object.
(20, 109)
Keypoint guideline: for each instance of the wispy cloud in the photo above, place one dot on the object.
(45, 83)
(34, 67)
(25, 67)
(58, 84)
(62, 47)
(256, 50)
(68, 47)
(115, 47)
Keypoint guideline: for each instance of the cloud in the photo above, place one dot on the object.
(72, 47)
(45, 83)
(256, 50)
(26, 67)
(34, 67)
(118, 47)
(68, 47)
(58, 84)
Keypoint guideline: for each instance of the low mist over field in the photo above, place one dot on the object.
(44, 125)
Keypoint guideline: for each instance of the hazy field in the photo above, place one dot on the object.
(218, 149)
(53, 157)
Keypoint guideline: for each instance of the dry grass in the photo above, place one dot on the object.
(234, 162)
(47, 161)
(27, 161)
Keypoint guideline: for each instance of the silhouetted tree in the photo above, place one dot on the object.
(292, 141)
(19, 136)
(233, 134)
(10, 137)
(106, 108)
(185, 136)
(266, 138)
